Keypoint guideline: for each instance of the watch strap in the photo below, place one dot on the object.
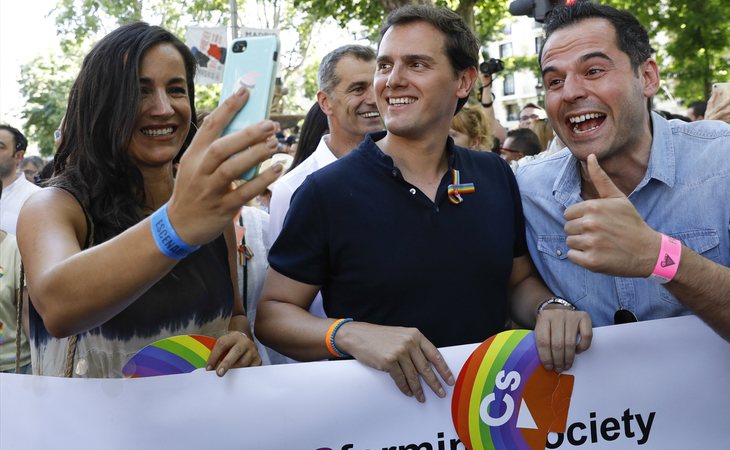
(555, 301)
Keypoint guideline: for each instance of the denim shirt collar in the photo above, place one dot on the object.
(567, 185)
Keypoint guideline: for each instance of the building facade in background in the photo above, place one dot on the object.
(522, 36)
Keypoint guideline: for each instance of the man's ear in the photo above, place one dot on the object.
(649, 75)
(19, 156)
(324, 103)
(466, 82)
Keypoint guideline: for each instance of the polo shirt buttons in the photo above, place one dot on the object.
(413, 191)
(395, 173)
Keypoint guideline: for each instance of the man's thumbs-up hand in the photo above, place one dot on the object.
(601, 181)
(607, 234)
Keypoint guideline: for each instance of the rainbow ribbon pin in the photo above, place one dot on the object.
(244, 254)
(456, 189)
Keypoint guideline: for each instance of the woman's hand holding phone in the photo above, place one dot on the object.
(204, 200)
(718, 106)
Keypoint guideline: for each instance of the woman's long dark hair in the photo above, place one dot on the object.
(92, 160)
(315, 125)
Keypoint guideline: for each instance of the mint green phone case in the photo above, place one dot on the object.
(251, 62)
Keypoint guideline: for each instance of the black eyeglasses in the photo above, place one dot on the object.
(508, 150)
(624, 316)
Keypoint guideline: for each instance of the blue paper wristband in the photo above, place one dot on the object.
(166, 238)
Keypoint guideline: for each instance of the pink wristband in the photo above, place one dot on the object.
(668, 261)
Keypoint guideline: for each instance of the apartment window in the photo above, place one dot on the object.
(505, 50)
(509, 84)
(539, 40)
(507, 29)
(513, 112)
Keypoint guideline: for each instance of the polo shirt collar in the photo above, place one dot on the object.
(662, 167)
(383, 160)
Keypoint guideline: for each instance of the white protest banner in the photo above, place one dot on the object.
(650, 385)
(209, 46)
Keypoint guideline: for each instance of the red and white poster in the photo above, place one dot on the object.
(209, 46)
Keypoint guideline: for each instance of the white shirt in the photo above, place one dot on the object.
(256, 225)
(12, 200)
(554, 147)
(283, 189)
(281, 193)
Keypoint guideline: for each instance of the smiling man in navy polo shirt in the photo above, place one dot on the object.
(415, 243)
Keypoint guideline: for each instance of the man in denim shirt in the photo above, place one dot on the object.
(596, 214)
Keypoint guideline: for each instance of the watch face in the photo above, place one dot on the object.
(624, 316)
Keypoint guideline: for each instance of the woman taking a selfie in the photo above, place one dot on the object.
(118, 253)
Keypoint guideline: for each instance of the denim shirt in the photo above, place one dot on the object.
(685, 193)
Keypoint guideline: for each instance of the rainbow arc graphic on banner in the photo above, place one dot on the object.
(505, 400)
(176, 354)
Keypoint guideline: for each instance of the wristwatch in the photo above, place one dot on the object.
(555, 301)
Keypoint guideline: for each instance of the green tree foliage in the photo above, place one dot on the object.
(485, 17)
(691, 36)
(78, 20)
(697, 48)
(207, 97)
(369, 13)
(519, 63)
(45, 83)
(293, 71)
(310, 85)
(482, 16)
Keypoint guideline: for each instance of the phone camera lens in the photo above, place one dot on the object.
(239, 46)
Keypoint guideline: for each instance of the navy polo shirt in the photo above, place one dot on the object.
(384, 253)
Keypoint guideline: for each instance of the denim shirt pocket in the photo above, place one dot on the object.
(704, 242)
(562, 275)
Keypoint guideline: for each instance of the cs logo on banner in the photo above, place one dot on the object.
(505, 400)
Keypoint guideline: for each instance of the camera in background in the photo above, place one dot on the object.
(491, 66)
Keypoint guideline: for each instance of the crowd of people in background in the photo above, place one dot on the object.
(329, 251)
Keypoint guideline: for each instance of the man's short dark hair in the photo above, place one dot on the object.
(698, 108)
(631, 36)
(525, 140)
(530, 105)
(33, 159)
(21, 143)
(460, 45)
(327, 77)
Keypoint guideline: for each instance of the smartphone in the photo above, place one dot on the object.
(718, 105)
(252, 62)
(721, 89)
